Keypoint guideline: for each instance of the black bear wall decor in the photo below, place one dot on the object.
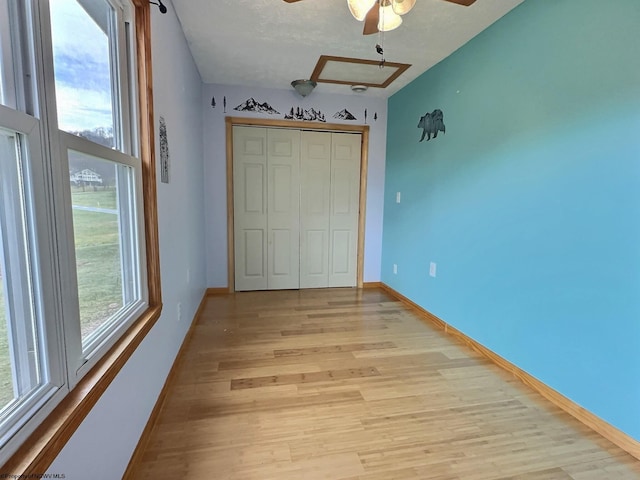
(431, 124)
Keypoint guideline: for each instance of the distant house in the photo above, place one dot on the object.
(86, 176)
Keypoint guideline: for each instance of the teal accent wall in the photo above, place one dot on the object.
(530, 203)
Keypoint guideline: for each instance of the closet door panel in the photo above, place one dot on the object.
(344, 210)
(315, 190)
(283, 209)
(250, 207)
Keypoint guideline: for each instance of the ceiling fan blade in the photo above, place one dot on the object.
(371, 20)
(464, 3)
(291, 1)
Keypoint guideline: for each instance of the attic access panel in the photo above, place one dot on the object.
(356, 71)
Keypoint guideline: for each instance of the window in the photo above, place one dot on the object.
(21, 369)
(30, 354)
(74, 226)
(89, 40)
(106, 235)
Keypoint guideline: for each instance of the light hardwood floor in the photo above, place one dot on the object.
(346, 384)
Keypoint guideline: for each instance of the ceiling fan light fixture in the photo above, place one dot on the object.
(303, 87)
(402, 7)
(360, 8)
(389, 20)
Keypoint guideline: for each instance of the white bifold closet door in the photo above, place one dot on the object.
(296, 200)
(329, 203)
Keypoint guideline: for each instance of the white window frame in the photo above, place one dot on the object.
(79, 360)
(38, 262)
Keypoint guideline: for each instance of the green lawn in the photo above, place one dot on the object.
(6, 390)
(89, 198)
(98, 266)
(97, 258)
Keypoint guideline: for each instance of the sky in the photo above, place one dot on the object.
(81, 61)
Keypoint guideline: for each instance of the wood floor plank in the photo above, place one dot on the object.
(320, 330)
(362, 313)
(346, 384)
(298, 378)
(353, 347)
(235, 406)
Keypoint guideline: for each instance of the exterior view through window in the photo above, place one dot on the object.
(98, 189)
(85, 88)
(5, 359)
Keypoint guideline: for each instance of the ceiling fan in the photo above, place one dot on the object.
(384, 15)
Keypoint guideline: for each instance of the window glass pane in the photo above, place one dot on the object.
(20, 369)
(85, 88)
(105, 240)
(7, 85)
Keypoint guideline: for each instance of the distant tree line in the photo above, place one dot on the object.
(79, 161)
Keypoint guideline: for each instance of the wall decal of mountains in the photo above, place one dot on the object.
(344, 114)
(251, 105)
(311, 115)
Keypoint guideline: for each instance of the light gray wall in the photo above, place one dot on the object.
(103, 444)
(282, 101)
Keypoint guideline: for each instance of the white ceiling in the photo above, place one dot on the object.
(269, 43)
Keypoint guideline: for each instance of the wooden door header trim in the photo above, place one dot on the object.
(295, 124)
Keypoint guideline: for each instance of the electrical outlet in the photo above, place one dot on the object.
(397, 197)
(395, 269)
(432, 269)
(179, 308)
(188, 276)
